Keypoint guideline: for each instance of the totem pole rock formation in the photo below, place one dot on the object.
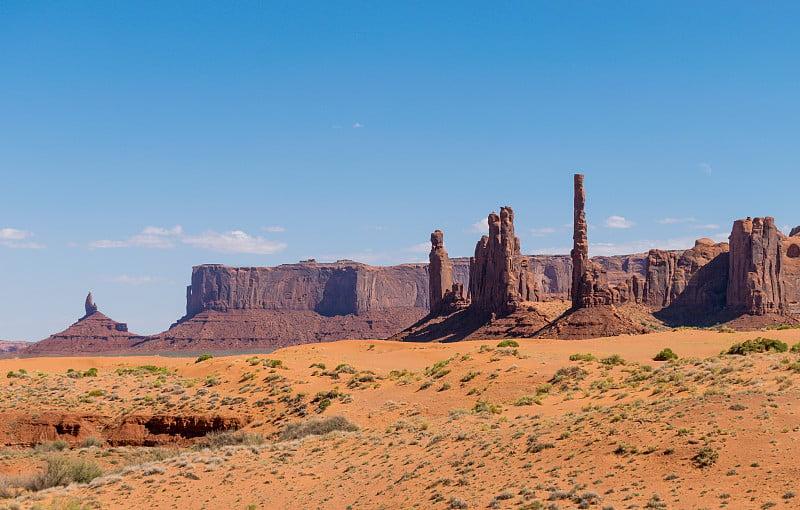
(589, 280)
(446, 295)
(754, 277)
(499, 280)
(89, 305)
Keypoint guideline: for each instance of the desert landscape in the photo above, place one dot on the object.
(357, 424)
(399, 255)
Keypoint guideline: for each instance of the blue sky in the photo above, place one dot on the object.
(141, 138)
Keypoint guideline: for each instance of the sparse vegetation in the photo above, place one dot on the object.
(508, 343)
(316, 426)
(665, 354)
(757, 345)
(203, 357)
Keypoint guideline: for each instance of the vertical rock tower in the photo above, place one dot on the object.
(89, 305)
(754, 277)
(589, 280)
(440, 274)
(499, 279)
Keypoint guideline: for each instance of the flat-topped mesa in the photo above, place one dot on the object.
(89, 305)
(499, 277)
(440, 275)
(589, 280)
(754, 276)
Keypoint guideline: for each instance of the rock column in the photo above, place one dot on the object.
(754, 284)
(440, 273)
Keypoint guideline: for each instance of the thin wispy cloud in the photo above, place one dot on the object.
(358, 125)
(618, 222)
(232, 241)
(131, 280)
(479, 227)
(15, 238)
(670, 221)
(542, 232)
(419, 248)
(709, 226)
(149, 237)
(705, 168)
(273, 229)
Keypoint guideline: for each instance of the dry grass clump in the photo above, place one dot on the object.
(219, 438)
(62, 470)
(301, 429)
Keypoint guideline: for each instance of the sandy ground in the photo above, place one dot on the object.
(462, 425)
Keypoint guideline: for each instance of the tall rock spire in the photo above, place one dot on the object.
(89, 305)
(440, 273)
(580, 242)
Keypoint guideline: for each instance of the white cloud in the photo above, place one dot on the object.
(705, 167)
(418, 248)
(618, 222)
(14, 234)
(709, 226)
(131, 280)
(15, 238)
(149, 237)
(358, 125)
(541, 232)
(233, 241)
(273, 229)
(670, 221)
(479, 227)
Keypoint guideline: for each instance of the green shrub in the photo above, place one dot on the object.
(666, 354)
(344, 368)
(92, 372)
(484, 405)
(273, 363)
(316, 426)
(614, 359)
(758, 345)
(203, 357)
(62, 471)
(796, 348)
(52, 446)
(582, 357)
(143, 369)
(707, 456)
(508, 343)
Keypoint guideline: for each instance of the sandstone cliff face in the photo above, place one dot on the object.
(790, 271)
(695, 278)
(339, 288)
(756, 252)
(95, 333)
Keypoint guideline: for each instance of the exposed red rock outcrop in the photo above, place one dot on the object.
(89, 306)
(754, 284)
(23, 429)
(589, 280)
(93, 333)
(499, 280)
(694, 279)
(446, 295)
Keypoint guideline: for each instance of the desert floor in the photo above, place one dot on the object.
(461, 425)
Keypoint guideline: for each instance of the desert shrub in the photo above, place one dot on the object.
(528, 400)
(438, 369)
(273, 363)
(92, 441)
(707, 456)
(666, 354)
(316, 426)
(484, 405)
(344, 368)
(568, 374)
(726, 329)
(614, 359)
(143, 369)
(759, 344)
(534, 446)
(582, 357)
(62, 471)
(203, 357)
(52, 446)
(96, 393)
(318, 365)
(457, 503)
(508, 343)
(795, 348)
(470, 376)
(92, 372)
(220, 438)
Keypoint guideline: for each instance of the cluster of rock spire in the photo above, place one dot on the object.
(757, 273)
